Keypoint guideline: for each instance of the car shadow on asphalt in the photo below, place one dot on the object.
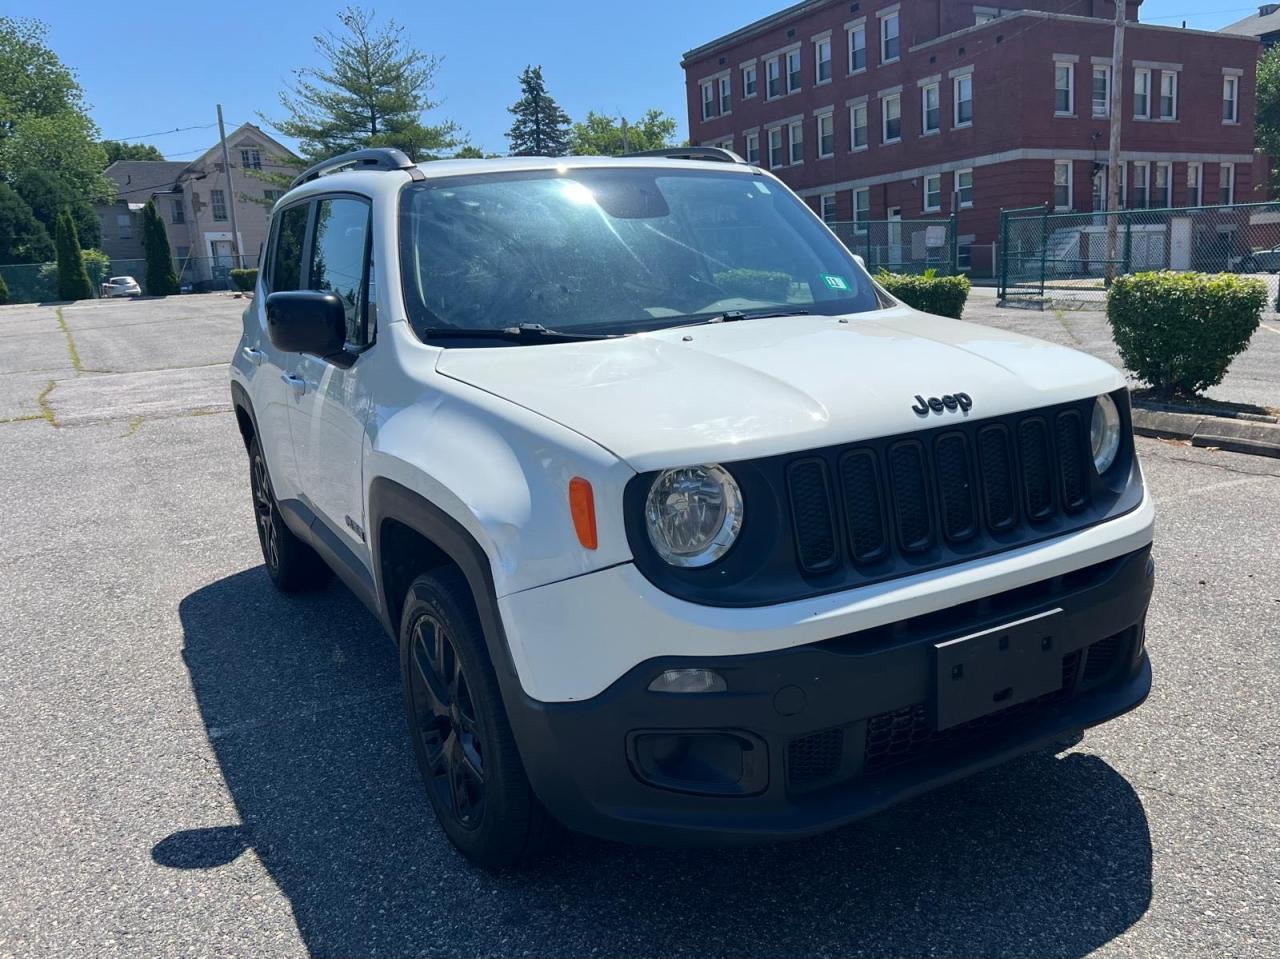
(1048, 855)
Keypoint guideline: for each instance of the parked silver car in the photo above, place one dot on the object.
(1258, 261)
(121, 286)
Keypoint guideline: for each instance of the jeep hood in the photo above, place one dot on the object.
(732, 391)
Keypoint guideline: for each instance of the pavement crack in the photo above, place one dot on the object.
(46, 411)
(71, 342)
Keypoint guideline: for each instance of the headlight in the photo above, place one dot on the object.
(693, 514)
(1104, 433)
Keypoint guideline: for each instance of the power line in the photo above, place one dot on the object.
(161, 133)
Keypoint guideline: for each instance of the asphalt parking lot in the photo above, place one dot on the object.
(192, 765)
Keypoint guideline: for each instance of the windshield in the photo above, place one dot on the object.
(616, 250)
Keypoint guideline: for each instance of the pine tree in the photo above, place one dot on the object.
(73, 278)
(541, 128)
(161, 280)
(4, 290)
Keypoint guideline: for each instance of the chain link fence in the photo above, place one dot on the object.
(902, 246)
(1064, 260)
(38, 282)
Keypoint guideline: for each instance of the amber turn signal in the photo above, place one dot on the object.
(582, 506)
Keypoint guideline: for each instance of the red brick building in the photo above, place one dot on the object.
(880, 109)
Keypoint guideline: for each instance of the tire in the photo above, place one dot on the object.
(292, 565)
(461, 736)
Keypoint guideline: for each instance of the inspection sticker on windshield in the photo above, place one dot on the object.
(835, 282)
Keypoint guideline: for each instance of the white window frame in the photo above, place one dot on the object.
(884, 117)
(886, 17)
(749, 139)
(925, 181)
(795, 76)
(724, 87)
(1105, 70)
(1231, 81)
(1145, 74)
(856, 110)
(750, 81)
(956, 83)
(856, 34)
(1195, 181)
(772, 77)
(1230, 182)
(177, 212)
(1166, 198)
(1169, 75)
(1068, 166)
(818, 46)
(959, 190)
(827, 115)
(251, 158)
(1070, 68)
(822, 207)
(124, 226)
(708, 99)
(860, 222)
(795, 138)
(781, 147)
(1142, 181)
(218, 198)
(936, 89)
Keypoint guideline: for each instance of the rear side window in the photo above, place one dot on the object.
(339, 254)
(286, 261)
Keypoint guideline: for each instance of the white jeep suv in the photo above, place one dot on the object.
(685, 529)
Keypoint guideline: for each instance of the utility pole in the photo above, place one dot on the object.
(231, 193)
(1113, 157)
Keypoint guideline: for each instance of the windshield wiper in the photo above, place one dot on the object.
(732, 316)
(522, 333)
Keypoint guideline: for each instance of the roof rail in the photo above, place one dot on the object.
(714, 154)
(377, 158)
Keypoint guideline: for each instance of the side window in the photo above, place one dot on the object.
(286, 258)
(339, 254)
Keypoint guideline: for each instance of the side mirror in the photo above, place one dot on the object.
(306, 321)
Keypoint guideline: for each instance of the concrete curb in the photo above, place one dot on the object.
(1233, 435)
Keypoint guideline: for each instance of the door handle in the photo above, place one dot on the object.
(253, 356)
(296, 383)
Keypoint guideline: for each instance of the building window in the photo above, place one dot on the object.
(1141, 185)
(889, 41)
(1064, 76)
(796, 139)
(857, 48)
(753, 148)
(1230, 99)
(773, 78)
(826, 135)
(1195, 184)
(748, 82)
(251, 158)
(1168, 95)
(822, 60)
(218, 200)
(793, 71)
(1163, 195)
(964, 188)
(1062, 184)
(891, 114)
(964, 100)
(1226, 183)
(726, 95)
(930, 109)
(933, 193)
(176, 212)
(827, 203)
(777, 156)
(124, 226)
(861, 209)
(1102, 91)
(1142, 94)
(858, 126)
(708, 100)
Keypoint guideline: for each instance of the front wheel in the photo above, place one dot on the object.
(461, 737)
(292, 565)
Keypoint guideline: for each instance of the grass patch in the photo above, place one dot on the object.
(46, 411)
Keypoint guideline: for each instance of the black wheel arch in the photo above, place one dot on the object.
(245, 419)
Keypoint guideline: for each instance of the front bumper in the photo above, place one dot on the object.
(837, 729)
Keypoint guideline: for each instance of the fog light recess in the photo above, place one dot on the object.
(703, 761)
(688, 681)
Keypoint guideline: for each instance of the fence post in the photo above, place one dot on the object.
(955, 245)
(871, 267)
(1128, 242)
(1002, 287)
(1044, 246)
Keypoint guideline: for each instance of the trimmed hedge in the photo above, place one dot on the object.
(245, 279)
(928, 292)
(4, 291)
(1180, 331)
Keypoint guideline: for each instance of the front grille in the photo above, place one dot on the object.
(814, 757)
(811, 510)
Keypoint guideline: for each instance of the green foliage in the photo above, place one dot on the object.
(97, 264)
(541, 128)
(755, 284)
(371, 92)
(1267, 124)
(600, 135)
(73, 278)
(245, 279)
(23, 238)
(4, 291)
(48, 197)
(119, 150)
(928, 292)
(1180, 331)
(161, 278)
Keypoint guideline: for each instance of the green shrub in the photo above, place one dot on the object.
(245, 279)
(73, 278)
(97, 264)
(4, 290)
(1180, 331)
(755, 284)
(161, 278)
(928, 292)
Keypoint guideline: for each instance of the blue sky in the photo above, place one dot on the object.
(145, 69)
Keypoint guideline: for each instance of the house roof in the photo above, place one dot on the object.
(1257, 25)
(138, 179)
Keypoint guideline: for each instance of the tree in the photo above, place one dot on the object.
(372, 92)
(23, 238)
(161, 279)
(119, 150)
(541, 128)
(48, 197)
(600, 135)
(1267, 123)
(73, 278)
